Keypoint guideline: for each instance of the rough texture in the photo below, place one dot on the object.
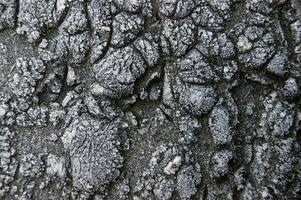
(150, 99)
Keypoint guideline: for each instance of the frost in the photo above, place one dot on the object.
(187, 182)
(164, 190)
(195, 69)
(35, 15)
(28, 72)
(220, 163)
(149, 49)
(172, 166)
(95, 158)
(126, 28)
(177, 36)
(117, 73)
(146, 99)
(206, 17)
(198, 100)
(56, 166)
(7, 13)
(278, 65)
(220, 126)
(261, 50)
(291, 89)
(175, 8)
(280, 119)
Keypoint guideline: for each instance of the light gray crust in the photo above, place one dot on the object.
(150, 99)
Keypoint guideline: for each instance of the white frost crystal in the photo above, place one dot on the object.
(147, 99)
(173, 165)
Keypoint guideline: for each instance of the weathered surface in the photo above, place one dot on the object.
(149, 99)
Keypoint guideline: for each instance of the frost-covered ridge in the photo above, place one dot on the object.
(150, 99)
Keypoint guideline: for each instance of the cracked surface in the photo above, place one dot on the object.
(149, 99)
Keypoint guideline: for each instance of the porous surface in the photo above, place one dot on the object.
(150, 99)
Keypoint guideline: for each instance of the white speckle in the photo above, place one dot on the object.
(55, 166)
(97, 89)
(68, 137)
(67, 99)
(71, 78)
(173, 166)
(3, 109)
(243, 44)
(43, 44)
(61, 5)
